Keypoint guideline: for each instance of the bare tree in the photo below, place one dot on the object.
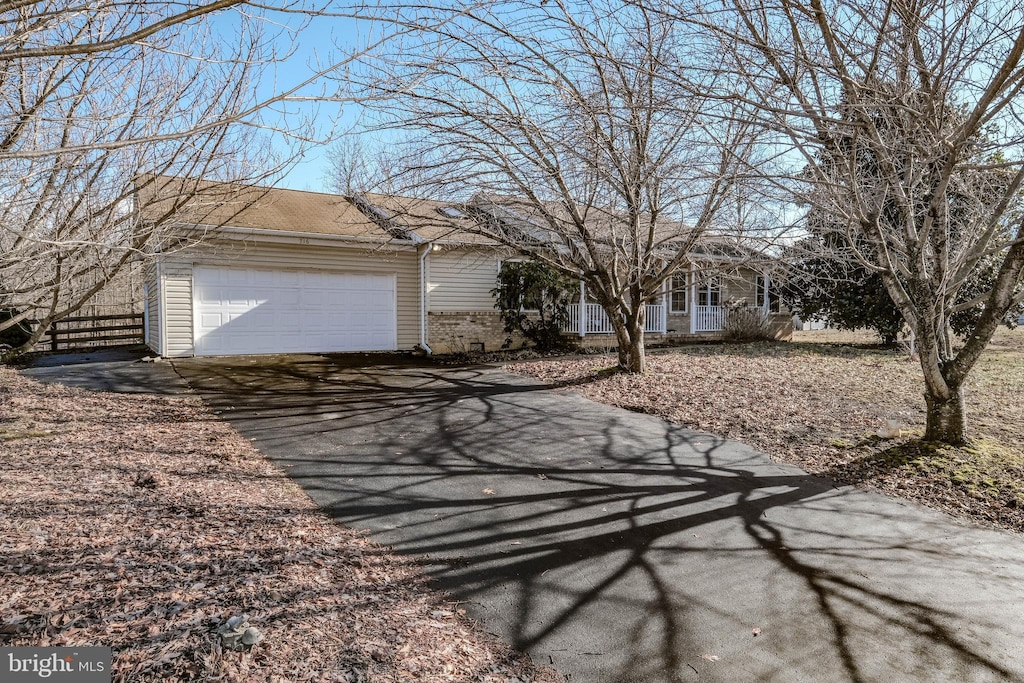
(78, 128)
(903, 122)
(578, 129)
(100, 100)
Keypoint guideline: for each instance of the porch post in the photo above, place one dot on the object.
(583, 309)
(664, 305)
(692, 303)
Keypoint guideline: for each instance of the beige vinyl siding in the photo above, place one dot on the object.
(402, 262)
(153, 312)
(461, 280)
(176, 278)
(741, 286)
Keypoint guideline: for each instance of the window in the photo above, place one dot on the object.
(709, 293)
(767, 296)
(679, 293)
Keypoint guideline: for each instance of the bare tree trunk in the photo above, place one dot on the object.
(638, 353)
(946, 419)
(629, 333)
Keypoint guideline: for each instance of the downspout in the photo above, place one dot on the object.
(423, 250)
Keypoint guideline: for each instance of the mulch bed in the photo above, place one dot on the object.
(144, 524)
(822, 407)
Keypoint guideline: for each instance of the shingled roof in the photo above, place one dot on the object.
(381, 217)
(370, 216)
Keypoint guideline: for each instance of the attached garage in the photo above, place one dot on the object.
(266, 271)
(254, 311)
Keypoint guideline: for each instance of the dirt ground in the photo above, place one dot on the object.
(835, 404)
(145, 524)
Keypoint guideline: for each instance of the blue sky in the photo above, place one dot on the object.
(314, 47)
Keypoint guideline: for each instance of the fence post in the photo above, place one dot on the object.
(53, 336)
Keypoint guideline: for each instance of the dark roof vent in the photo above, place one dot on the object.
(451, 212)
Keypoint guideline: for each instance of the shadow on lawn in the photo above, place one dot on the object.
(620, 546)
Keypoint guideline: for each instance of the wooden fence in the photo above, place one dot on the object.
(93, 331)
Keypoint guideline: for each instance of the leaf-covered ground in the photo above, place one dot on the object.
(144, 524)
(821, 401)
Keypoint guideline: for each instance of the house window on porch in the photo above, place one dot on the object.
(767, 297)
(679, 293)
(709, 293)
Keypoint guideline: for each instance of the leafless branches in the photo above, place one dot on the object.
(901, 121)
(583, 124)
(98, 99)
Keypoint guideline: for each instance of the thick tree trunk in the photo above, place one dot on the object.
(945, 407)
(638, 354)
(632, 354)
(947, 419)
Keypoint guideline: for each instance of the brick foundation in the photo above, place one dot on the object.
(461, 332)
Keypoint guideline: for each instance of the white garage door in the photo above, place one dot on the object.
(241, 311)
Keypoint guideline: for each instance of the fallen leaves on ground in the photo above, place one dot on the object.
(145, 524)
(822, 406)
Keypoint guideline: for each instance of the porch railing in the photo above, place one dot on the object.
(591, 319)
(708, 318)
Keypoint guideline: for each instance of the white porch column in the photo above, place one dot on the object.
(693, 301)
(665, 301)
(583, 309)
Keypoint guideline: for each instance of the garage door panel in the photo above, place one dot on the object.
(241, 311)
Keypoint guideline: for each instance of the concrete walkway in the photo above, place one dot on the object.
(618, 547)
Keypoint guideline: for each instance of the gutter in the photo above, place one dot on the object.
(423, 249)
(294, 236)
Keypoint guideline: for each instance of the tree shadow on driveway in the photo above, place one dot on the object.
(619, 547)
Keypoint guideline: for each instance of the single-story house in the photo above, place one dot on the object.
(288, 271)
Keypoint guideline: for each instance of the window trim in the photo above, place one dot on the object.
(709, 286)
(684, 291)
(763, 294)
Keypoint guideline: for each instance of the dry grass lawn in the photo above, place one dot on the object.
(820, 401)
(143, 523)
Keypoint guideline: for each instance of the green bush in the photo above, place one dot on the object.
(534, 302)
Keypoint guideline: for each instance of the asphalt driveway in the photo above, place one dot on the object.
(618, 547)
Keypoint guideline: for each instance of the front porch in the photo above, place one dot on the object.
(587, 319)
(590, 318)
